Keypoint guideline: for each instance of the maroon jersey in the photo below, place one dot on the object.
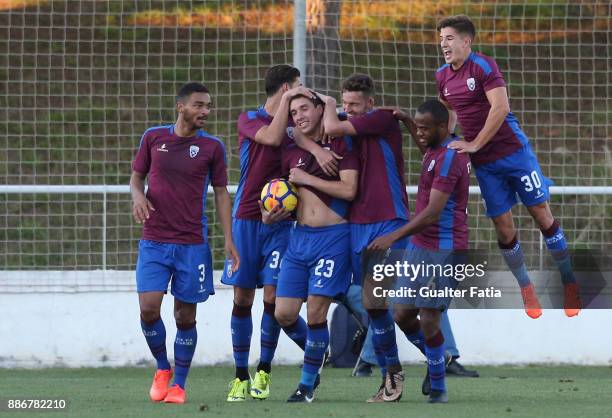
(259, 164)
(382, 189)
(295, 157)
(465, 90)
(179, 171)
(447, 171)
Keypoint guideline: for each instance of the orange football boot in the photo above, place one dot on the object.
(176, 394)
(572, 304)
(159, 388)
(531, 302)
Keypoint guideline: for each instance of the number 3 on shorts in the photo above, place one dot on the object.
(529, 186)
(202, 268)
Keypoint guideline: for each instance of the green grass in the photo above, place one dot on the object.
(500, 391)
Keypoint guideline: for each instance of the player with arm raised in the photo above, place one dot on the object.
(261, 242)
(316, 267)
(381, 205)
(179, 161)
(439, 230)
(472, 87)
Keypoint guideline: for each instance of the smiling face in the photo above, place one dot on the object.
(306, 116)
(428, 131)
(194, 110)
(456, 46)
(355, 103)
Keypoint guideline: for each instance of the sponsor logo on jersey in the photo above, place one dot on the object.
(162, 148)
(431, 165)
(471, 83)
(193, 150)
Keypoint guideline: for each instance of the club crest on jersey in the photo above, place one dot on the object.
(431, 165)
(193, 151)
(471, 83)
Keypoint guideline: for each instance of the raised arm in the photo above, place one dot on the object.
(333, 125)
(274, 133)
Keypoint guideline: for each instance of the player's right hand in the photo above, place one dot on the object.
(140, 209)
(277, 214)
(328, 160)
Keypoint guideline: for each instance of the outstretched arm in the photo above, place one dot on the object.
(428, 216)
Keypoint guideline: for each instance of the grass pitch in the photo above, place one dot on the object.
(531, 391)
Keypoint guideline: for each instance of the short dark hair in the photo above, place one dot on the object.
(188, 88)
(315, 100)
(436, 109)
(461, 23)
(359, 82)
(278, 75)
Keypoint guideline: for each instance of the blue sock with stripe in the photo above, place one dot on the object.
(184, 348)
(317, 341)
(270, 331)
(515, 259)
(155, 334)
(415, 336)
(384, 338)
(297, 332)
(242, 329)
(557, 245)
(434, 350)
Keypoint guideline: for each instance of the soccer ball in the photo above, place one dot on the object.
(279, 192)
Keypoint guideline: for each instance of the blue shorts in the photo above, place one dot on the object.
(188, 266)
(261, 248)
(429, 278)
(317, 262)
(363, 234)
(519, 173)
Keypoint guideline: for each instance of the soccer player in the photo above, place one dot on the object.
(438, 229)
(472, 87)
(261, 244)
(381, 205)
(179, 162)
(316, 267)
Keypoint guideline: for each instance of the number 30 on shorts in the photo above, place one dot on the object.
(532, 181)
(327, 266)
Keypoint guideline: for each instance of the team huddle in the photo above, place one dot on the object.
(348, 171)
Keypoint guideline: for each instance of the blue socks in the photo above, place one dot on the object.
(184, 347)
(242, 328)
(316, 343)
(155, 334)
(297, 332)
(270, 331)
(416, 337)
(557, 245)
(513, 254)
(434, 350)
(384, 338)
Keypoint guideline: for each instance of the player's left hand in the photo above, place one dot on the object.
(463, 147)
(381, 243)
(298, 176)
(232, 254)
